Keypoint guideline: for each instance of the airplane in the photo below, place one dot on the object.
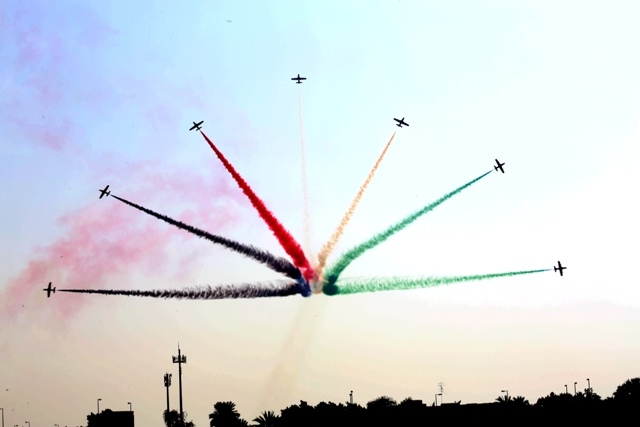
(104, 192)
(401, 122)
(298, 79)
(49, 290)
(559, 268)
(500, 165)
(196, 125)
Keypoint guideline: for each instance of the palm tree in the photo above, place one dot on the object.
(521, 401)
(504, 399)
(267, 419)
(225, 415)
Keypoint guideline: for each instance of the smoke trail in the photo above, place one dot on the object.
(246, 290)
(305, 189)
(358, 286)
(333, 240)
(275, 263)
(290, 245)
(349, 256)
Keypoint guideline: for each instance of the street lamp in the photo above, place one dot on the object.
(506, 391)
(28, 422)
(98, 407)
(589, 382)
(566, 390)
(130, 410)
(2, 416)
(574, 388)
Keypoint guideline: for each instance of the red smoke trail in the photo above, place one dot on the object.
(290, 245)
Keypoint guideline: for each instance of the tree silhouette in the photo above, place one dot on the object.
(628, 392)
(172, 419)
(383, 402)
(267, 419)
(225, 415)
(520, 401)
(503, 399)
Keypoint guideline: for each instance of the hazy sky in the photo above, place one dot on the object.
(96, 93)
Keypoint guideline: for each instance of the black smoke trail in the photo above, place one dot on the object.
(280, 288)
(279, 264)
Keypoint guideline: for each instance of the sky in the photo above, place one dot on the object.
(97, 93)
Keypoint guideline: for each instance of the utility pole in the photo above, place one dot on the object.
(167, 384)
(350, 398)
(180, 359)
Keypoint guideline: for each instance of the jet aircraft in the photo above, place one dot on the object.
(500, 165)
(49, 290)
(298, 79)
(559, 268)
(196, 125)
(401, 122)
(104, 192)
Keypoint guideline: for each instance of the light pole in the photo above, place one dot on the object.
(506, 391)
(351, 397)
(2, 416)
(589, 382)
(98, 407)
(566, 390)
(28, 422)
(574, 388)
(130, 410)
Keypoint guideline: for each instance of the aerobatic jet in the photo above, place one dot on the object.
(559, 268)
(298, 79)
(196, 125)
(104, 192)
(48, 290)
(401, 122)
(500, 165)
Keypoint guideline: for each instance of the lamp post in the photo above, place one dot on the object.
(28, 422)
(98, 407)
(575, 391)
(589, 386)
(506, 391)
(351, 397)
(566, 390)
(2, 416)
(130, 410)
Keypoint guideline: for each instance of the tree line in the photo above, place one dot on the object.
(584, 406)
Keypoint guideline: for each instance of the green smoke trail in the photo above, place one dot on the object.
(331, 276)
(377, 284)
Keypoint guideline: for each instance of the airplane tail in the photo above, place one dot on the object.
(54, 290)
(555, 268)
(496, 168)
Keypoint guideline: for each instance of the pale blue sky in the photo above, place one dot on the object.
(96, 94)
